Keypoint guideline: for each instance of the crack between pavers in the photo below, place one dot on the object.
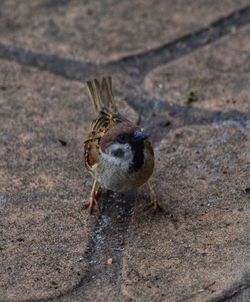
(145, 61)
(207, 34)
(151, 109)
(106, 241)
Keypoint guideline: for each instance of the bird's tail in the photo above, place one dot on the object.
(101, 95)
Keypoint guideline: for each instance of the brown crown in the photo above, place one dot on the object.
(110, 136)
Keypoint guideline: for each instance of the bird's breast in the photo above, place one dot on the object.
(120, 178)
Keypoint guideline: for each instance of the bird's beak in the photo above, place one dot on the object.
(140, 135)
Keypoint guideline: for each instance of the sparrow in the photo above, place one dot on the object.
(117, 153)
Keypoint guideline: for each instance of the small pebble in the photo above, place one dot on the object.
(109, 261)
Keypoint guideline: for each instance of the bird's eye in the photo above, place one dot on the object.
(122, 138)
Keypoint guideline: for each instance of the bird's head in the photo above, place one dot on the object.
(123, 145)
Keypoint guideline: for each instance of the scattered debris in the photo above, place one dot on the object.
(159, 85)
(164, 123)
(63, 142)
(109, 261)
(192, 97)
(247, 190)
(233, 29)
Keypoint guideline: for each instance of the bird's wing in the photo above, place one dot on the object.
(98, 128)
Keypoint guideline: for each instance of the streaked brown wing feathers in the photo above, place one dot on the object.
(98, 128)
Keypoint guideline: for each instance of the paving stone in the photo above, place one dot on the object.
(44, 235)
(220, 70)
(200, 248)
(101, 31)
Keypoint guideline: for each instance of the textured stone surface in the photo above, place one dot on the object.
(201, 247)
(44, 234)
(101, 31)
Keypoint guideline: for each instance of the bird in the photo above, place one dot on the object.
(117, 153)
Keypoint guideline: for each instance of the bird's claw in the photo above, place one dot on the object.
(155, 205)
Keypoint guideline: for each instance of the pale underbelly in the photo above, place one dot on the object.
(114, 179)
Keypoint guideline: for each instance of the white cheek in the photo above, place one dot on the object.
(126, 149)
(125, 160)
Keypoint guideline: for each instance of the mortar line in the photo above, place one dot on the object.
(80, 70)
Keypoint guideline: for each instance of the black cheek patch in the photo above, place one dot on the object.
(118, 153)
(138, 150)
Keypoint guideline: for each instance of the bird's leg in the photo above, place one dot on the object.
(94, 196)
(154, 202)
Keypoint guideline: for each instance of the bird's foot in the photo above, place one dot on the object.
(154, 200)
(93, 199)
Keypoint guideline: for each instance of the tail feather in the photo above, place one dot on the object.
(94, 93)
(101, 95)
